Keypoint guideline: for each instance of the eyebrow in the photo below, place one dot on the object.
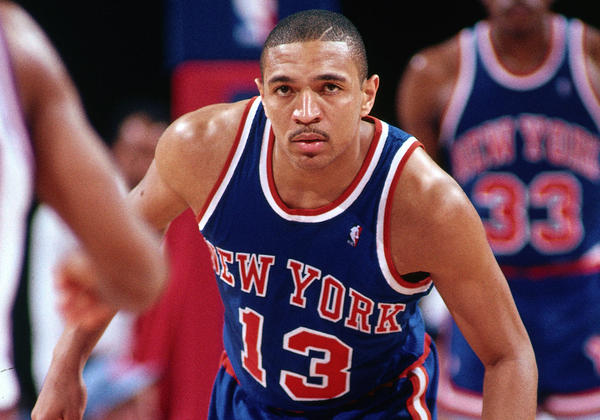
(322, 77)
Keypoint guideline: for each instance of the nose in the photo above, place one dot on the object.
(306, 110)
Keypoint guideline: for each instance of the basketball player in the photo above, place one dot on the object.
(511, 106)
(48, 148)
(326, 227)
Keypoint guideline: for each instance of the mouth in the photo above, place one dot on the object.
(308, 136)
(309, 142)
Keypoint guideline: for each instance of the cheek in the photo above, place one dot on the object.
(348, 123)
(352, 114)
(274, 111)
(280, 122)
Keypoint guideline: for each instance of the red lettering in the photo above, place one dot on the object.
(387, 317)
(331, 302)
(225, 257)
(361, 308)
(301, 283)
(249, 271)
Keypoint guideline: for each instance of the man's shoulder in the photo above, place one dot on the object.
(442, 54)
(426, 186)
(435, 66)
(592, 41)
(204, 126)
(193, 150)
(427, 208)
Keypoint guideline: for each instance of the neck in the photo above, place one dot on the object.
(305, 187)
(522, 50)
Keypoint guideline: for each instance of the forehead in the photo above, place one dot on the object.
(307, 58)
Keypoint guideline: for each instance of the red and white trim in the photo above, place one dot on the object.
(232, 161)
(462, 87)
(417, 407)
(417, 374)
(338, 206)
(530, 80)
(384, 255)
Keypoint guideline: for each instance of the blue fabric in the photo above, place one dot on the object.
(272, 339)
(230, 401)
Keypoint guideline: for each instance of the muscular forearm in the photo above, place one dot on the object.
(510, 389)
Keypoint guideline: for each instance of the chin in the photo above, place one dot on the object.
(312, 162)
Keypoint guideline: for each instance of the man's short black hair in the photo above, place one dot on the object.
(323, 25)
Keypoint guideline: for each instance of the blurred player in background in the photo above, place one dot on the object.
(49, 150)
(510, 107)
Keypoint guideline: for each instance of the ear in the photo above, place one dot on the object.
(259, 85)
(369, 91)
(261, 90)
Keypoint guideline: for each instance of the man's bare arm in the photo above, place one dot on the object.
(424, 92)
(448, 240)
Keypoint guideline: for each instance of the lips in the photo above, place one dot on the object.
(309, 142)
(307, 139)
(308, 136)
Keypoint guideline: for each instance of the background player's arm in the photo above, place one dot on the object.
(448, 240)
(75, 174)
(592, 52)
(424, 91)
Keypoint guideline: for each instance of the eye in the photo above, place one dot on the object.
(331, 88)
(283, 90)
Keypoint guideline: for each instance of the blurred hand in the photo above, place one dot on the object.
(63, 396)
(79, 298)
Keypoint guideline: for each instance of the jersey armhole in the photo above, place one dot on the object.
(396, 280)
(230, 164)
(462, 85)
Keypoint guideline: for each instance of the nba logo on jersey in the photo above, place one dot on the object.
(354, 235)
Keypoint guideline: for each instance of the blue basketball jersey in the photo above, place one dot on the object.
(315, 314)
(526, 150)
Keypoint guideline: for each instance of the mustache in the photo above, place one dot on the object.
(308, 130)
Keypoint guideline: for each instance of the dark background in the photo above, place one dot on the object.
(115, 49)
